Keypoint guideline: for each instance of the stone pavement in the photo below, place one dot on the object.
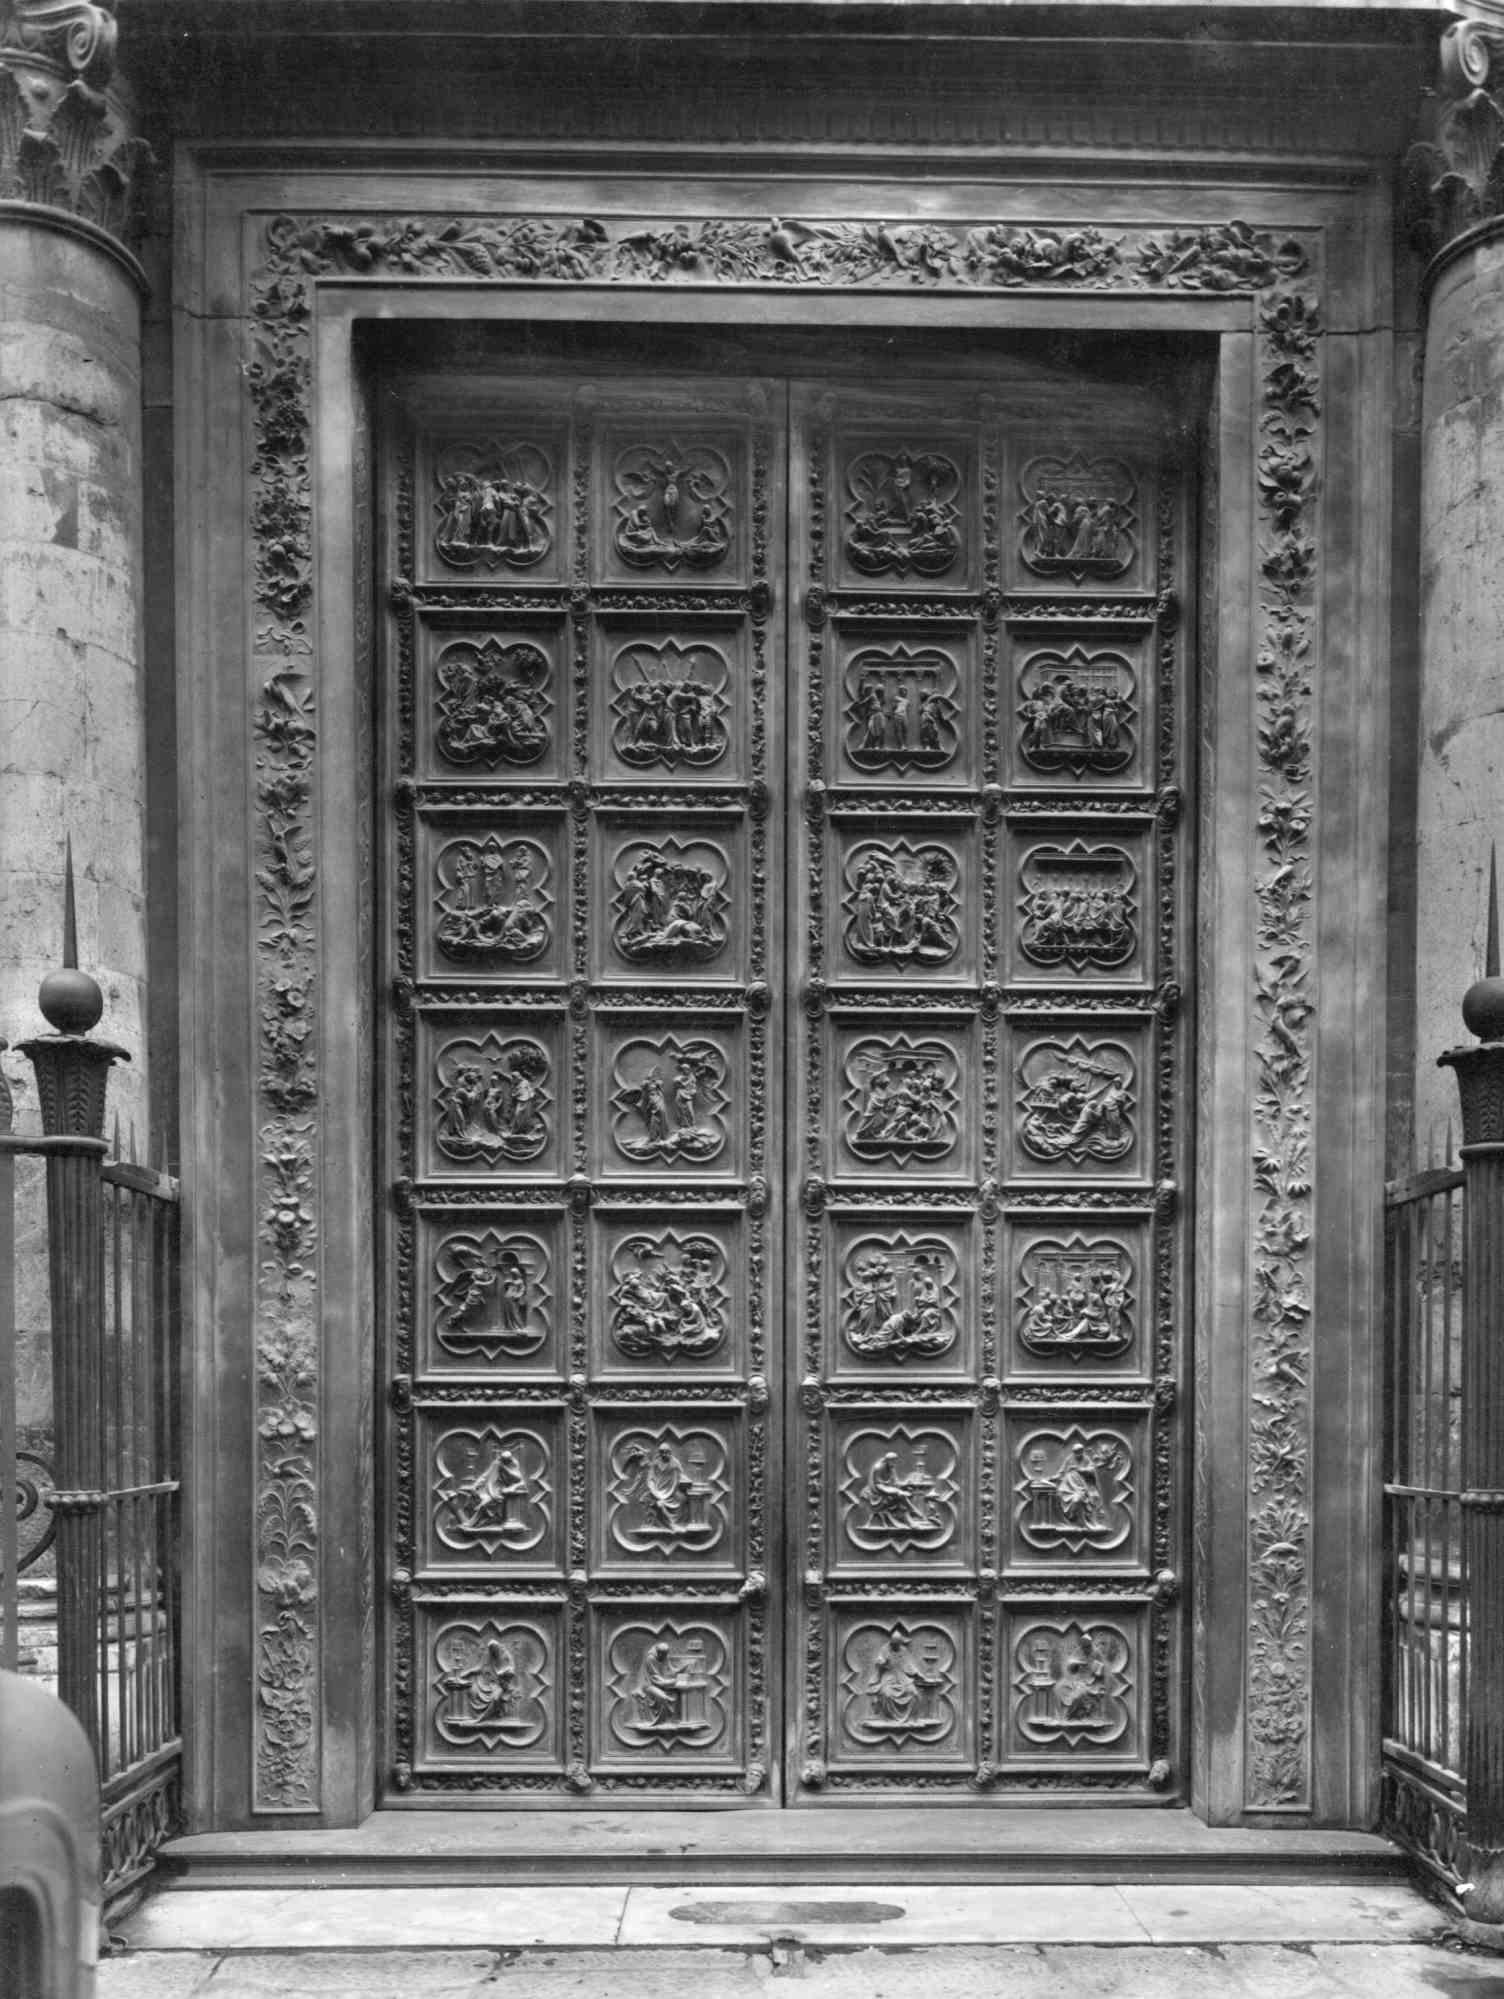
(1131, 1941)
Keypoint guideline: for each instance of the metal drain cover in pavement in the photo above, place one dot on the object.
(786, 1915)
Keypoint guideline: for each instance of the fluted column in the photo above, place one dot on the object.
(71, 707)
(1456, 210)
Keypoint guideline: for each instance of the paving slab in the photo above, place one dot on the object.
(237, 1919)
(1131, 1971)
(899, 1914)
(1369, 1912)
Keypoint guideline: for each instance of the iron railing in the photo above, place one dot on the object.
(108, 1529)
(1425, 1677)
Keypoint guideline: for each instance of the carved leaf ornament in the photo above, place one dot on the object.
(494, 1682)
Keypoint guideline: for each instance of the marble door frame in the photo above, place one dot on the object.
(279, 270)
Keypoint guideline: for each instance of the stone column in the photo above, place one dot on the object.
(71, 706)
(1456, 190)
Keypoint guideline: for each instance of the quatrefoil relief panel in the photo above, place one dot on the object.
(673, 506)
(493, 1689)
(493, 1487)
(901, 710)
(905, 1696)
(1076, 1299)
(667, 1691)
(493, 704)
(494, 903)
(1077, 1105)
(1078, 910)
(1078, 715)
(671, 706)
(493, 1099)
(670, 1101)
(1077, 518)
(899, 1493)
(901, 905)
(1074, 1688)
(902, 517)
(493, 505)
(492, 1294)
(901, 1099)
(670, 902)
(898, 1298)
(1075, 1491)
(668, 1494)
(668, 1297)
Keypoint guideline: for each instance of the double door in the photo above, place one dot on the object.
(785, 895)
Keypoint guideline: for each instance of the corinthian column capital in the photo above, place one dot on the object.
(66, 141)
(1454, 173)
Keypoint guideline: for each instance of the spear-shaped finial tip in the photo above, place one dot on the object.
(70, 1000)
(1483, 1002)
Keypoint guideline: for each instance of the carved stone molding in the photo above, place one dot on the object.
(1454, 173)
(65, 136)
(1279, 273)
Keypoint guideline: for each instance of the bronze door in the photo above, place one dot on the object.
(784, 900)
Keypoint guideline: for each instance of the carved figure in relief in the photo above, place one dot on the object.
(1077, 907)
(1077, 517)
(667, 1492)
(491, 1491)
(668, 1298)
(670, 705)
(669, 1684)
(493, 900)
(897, 1300)
(669, 1100)
(1077, 713)
(672, 510)
(901, 1099)
(898, 1490)
(1076, 1101)
(1073, 1491)
(903, 515)
(491, 1102)
(493, 506)
(490, 1679)
(900, 1683)
(1069, 1684)
(670, 907)
(901, 709)
(493, 702)
(1076, 1299)
(491, 1295)
(901, 905)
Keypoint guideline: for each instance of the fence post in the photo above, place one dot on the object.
(1480, 1084)
(71, 1072)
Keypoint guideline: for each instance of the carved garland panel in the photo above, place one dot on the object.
(1093, 729)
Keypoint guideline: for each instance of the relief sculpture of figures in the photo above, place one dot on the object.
(1069, 1686)
(669, 701)
(490, 1679)
(491, 1100)
(1076, 1101)
(493, 702)
(1075, 1299)
(670, 1686)
(669, 1100)
(901, 905)
(1077, 907)
(903, 517)
(491, 1491)
(900, 1680)
(901, 1099)
(667, 1491)
(898, 1490)
(1073, 1491)
(668, 1297)
(491, 1295)
(1077, 517)
(1077, 713)
(898, 1298)
(670, 902)
(672, 507)
(493, 506)
(901, 709)
(493, 901)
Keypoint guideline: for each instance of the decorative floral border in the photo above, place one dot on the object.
(1225, 258)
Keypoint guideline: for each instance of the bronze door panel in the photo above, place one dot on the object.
(786, 899)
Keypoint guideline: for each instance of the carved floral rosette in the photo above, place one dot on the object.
(1220, 258)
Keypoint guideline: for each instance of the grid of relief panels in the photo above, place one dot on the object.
(581, 861)
(988, 1290)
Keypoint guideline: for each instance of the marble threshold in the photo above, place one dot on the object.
(835, 1844)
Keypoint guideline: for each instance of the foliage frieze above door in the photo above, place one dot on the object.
(1084, 716)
